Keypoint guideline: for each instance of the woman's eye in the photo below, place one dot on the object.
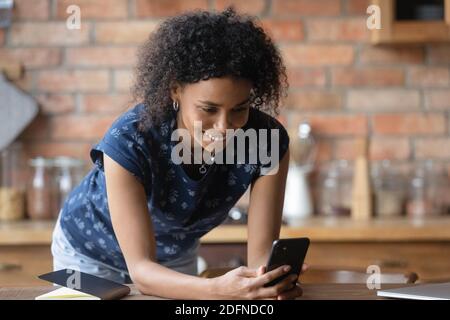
(209, 110)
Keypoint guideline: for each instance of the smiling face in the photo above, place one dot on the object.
(218, 103)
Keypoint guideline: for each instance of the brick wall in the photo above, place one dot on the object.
(346, 87)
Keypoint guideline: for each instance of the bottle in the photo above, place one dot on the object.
(427, 192)
(12, 183)
(68, 172)
(361, 188)
(39, 192)
(298, 201)
(335, 194)
(388, 190)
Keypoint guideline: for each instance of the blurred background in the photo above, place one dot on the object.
(368, 114)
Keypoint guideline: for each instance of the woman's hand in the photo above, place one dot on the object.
(295, 291)
(246, 283)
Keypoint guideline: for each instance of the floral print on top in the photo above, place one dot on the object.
(181, 209)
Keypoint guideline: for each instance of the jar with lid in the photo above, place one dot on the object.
(389, 189)
(427, 190)
(12, 183)
(39, 193)
(336, 190)
(68, 172)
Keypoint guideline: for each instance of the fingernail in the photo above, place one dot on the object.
(287, 268)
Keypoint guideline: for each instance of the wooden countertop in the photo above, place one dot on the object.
(310, 292)
(317, 229)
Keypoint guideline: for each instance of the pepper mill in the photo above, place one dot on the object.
(361, 188)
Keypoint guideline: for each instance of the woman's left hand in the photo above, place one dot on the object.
(293, 293)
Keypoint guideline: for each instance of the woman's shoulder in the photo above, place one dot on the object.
(259, 119)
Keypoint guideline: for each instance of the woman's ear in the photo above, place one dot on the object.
(175, 91)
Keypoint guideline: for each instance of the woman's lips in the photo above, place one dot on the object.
(213, 138)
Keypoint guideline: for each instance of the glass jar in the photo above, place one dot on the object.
(39, 193)
(68, 173)
(335, 194)
(427, 190)
(12, 183)
(388, 189)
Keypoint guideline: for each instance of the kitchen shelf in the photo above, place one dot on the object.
(394, 31)
(29, 232)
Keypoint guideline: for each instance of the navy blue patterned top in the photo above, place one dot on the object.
(182, 209)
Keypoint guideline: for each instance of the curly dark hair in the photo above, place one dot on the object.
(200, 45)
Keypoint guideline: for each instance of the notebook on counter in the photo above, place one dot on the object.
(434, 291)
(78, 285)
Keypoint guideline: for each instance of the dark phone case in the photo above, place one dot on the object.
(99, 287)
(287, 252)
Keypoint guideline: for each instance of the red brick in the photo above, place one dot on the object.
(344, 149)
(379, 149)
(385, 55)
(31, 9)
(439, 54)
(349, 29)
(56, 103)
(26, 82)
(314, 100)
(2, 37)
(129, 32)
(73, 81)
(317, 55)
(98, 9)
(383, 99)
(32, 57)
(80, 127)
(437, 99)
(284, 30)
(38, 129)
(162, 8)
(390, 148)
(304, 77)
(409, 123)
(337, 125)
(324, 151)
(436, 148)
(369, 76)
(48, 34)
(253, 7)
(429, 76)
(123, 80)
(102, 57)
(50, 149)
(102, 103)
(357, 7)
(306, 7)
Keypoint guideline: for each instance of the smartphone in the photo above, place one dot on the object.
(290, 252)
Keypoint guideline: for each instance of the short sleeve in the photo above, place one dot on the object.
(126, 144)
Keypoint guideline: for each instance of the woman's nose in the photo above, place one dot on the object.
(222, 125)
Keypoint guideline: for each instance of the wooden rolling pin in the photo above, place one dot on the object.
(361, 188)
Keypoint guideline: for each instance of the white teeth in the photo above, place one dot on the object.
(213, 138)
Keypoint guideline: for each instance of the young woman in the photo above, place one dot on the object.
(137, 216)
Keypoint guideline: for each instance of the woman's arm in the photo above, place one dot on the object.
(264, 214)
(133, 228)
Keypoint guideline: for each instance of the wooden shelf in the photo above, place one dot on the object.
(317, 229)
(409, 31)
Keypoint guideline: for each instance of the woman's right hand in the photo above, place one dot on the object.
(246, 283)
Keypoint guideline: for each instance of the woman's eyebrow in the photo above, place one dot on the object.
(213, 104)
